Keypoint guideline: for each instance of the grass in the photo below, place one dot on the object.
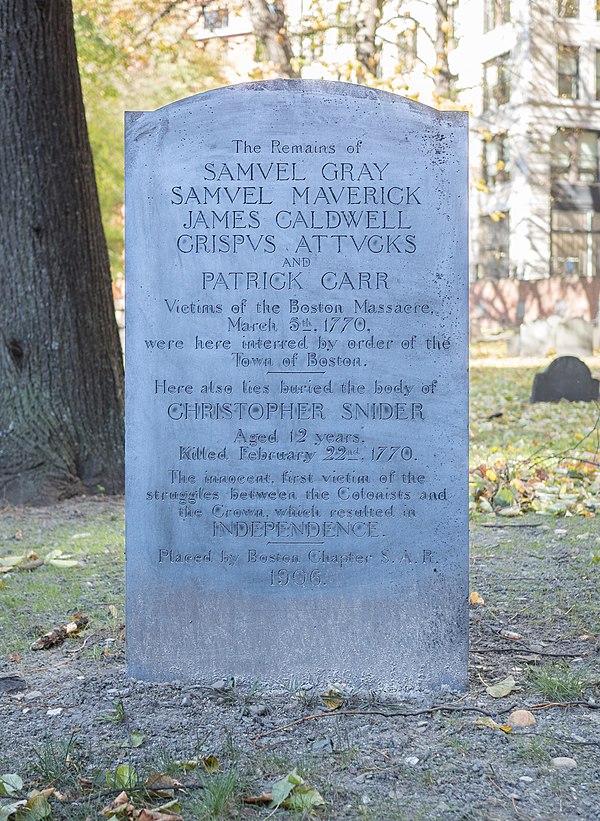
(218, 795)
(531, 751)
(556, 682)
(39, 600)
(56, 762)
(118, 716)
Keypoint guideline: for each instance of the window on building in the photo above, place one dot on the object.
(496, 82)
(495, 13)
(215, 18)
(496, 159)
(598, 73)
(494, 260)
(575, 243)
(574, 155)
(568, 72)
(568, 8)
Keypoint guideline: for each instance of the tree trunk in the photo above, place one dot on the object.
(444, 80)
(61, 370)
(367, 50)
(270, 29)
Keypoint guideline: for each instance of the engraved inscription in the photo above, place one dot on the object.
(300, 415)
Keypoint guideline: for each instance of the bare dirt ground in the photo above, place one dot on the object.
(70, 718)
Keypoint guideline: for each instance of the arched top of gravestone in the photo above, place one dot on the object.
(306, 87)
(569, 364)
(566, 377)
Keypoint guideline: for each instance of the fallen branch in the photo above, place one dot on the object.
(443, 708)
(551, 704)
(59, 634)
(524, 649)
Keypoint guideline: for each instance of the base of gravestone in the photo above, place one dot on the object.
(344, 639)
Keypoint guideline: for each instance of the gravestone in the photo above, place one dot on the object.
(297, 388)
(574, 337)
(565, 378)
(537, 338)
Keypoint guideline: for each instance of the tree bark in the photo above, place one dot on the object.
(367, 50)
(269, 23)
(61, 369)
(444, 80)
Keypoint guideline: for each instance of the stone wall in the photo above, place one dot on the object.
(506, 303)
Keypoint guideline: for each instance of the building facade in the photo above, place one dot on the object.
(529, 70)
(529, 73)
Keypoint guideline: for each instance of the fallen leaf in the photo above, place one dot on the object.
(37, 807)
(119, 806)
(8, 563)
(333, 699)
(63, 562)
(475, 598)
(9, 811)
(156, 815)
(510, 634)
(502, 688)
(124, 777)
(487, 721)
(160, 782)
(137, 739)
(211, 763)
(293, 793)
(285, 785)
(505, 497)
(10, 783)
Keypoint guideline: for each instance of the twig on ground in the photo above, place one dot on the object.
(526, 649)
(505, 794)
(443, 708)
(549, 705)
(83, 644)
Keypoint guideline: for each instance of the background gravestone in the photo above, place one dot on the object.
(297, 388)
(537, 338)
(565, 378)
(574, 337)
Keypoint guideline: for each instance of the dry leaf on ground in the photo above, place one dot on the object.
(502, 688)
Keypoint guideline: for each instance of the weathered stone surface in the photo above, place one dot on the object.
(297, 388)
(565, 337)
(565, 378)
(537, 338)
(574, 337)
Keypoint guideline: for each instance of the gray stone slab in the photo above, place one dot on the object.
(297, 388)
(565, 378)
(537, 338)
(575, 337)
